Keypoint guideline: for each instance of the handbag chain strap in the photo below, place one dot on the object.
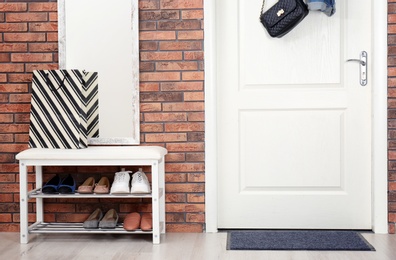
(262, 8)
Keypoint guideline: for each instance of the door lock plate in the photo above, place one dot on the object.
(363, 67)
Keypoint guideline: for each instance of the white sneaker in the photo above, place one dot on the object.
(140, 183)
(121, 182)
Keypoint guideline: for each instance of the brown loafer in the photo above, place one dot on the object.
(102, 186)
(87, 186)
(146, 223)
(109, 220)
(132, 221)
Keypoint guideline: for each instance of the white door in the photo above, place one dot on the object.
(294, 126)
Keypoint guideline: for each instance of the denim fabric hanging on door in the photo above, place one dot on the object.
(326, 6)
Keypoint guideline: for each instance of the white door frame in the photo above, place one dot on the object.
(379, 116)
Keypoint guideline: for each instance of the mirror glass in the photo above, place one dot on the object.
(96, 35)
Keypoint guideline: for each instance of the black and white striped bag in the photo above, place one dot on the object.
(64, 109)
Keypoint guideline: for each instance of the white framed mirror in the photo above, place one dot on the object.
(103, 36)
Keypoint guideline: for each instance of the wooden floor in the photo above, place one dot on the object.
(173, 246)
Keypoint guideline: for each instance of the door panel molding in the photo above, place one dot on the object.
(305, 141)
(321, 65)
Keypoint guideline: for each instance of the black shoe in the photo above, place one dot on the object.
(51, 187)
(67, 186)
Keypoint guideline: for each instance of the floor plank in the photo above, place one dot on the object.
(174, 246)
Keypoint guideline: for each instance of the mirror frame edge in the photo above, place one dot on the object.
(134, 139)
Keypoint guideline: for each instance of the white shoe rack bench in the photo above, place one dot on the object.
(153, 156)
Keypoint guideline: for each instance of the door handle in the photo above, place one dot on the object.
(363, 67)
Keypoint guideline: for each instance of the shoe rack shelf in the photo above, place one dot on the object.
(38, 194)
(153, 156)
(77, 228)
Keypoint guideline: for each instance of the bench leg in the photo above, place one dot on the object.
(155, 202)
(23, 203)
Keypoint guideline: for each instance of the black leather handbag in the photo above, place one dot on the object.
(283, 16)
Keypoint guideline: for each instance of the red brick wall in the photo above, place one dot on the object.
(392, 113)
(172, 108)
(28, 41)
(172, 102)
(171, 45)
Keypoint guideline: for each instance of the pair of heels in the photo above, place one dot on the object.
(97, 220)
(89, 186)
(58, 185)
